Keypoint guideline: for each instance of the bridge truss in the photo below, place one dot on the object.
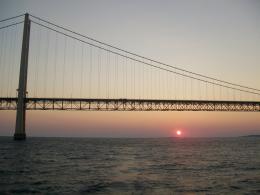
(130, 105)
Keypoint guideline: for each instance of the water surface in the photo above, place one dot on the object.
(130, 166)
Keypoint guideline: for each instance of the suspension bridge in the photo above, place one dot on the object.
(67, 70)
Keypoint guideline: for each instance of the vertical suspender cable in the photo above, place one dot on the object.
(207, 90)
(109, 71)
(46, 64)
(1, 66)
(106, 72)
(143, 82)
(151, 82)
(220, 93)
(185, 88)
(98, 95)
(72, 68)
(8, 63)
(13, 60)
(126, 77)
(1, 63)
(81, 70)
(131, 80)
(35, 62)
(168, 86)
(175, 90)
(38, 53)
(4, 63)
(117, 77)
(213, 86)
(115, 83)
(90, 69)
(199, 90)
(191, 94)
(55, 65)
(64, 64)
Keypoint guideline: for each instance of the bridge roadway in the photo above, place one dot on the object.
(130, 105)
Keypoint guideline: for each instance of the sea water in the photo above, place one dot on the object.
(130, 166)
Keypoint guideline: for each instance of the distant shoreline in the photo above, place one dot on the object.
(250, 136)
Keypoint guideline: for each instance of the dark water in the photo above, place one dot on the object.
(130, 166)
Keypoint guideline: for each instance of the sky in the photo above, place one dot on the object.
(215, 38)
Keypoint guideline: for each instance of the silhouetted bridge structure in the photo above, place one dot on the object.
(130, 105)
(71, 71)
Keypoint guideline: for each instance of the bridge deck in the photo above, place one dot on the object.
(130, 105)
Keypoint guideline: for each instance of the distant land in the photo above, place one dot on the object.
(250, 136)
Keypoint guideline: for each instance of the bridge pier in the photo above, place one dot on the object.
(21, 103)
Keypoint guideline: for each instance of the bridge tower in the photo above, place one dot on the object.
(21, 104)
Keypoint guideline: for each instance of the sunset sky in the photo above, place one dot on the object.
(215, 38)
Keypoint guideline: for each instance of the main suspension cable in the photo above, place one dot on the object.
(11, 18)
(3, 27)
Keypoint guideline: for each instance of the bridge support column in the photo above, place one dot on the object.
(21, 104)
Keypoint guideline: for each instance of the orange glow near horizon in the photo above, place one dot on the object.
(133, 124)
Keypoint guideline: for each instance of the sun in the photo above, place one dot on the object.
(178, 132)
